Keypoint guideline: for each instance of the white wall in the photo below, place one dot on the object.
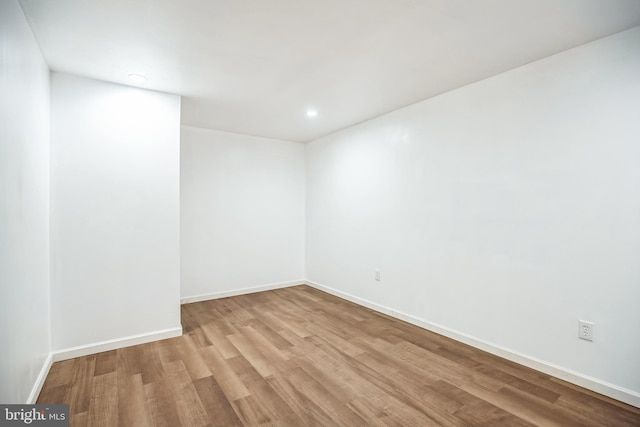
(242, 218)
(505, 210)
(114, 212)
(24, 207)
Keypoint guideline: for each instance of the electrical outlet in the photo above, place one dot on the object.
(377, 275)
(585, 330)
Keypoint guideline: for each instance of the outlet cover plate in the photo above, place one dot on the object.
(585, 330)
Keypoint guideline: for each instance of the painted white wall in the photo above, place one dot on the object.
(242, 218)
(24, 207)
(505, 210)
(114, 211)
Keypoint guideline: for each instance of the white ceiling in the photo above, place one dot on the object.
(255, 66)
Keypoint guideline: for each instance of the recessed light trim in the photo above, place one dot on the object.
(311, 113)
(138, 78)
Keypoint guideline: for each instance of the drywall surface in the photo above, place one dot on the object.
(505, 210)
(114, 211)
(24, 207)
(242, 218)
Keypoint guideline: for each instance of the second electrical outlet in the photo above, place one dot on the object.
(377, 275)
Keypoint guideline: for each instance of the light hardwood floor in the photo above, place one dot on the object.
(297, 357)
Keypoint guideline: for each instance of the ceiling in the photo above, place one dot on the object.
(256, 66)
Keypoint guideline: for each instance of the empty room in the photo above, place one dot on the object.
(339, 213)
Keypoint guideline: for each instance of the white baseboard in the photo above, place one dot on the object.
(42, 376)
(243, 291)
(611, 390)
(99, 347)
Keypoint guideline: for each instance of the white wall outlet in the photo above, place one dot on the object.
(377, 275)
(585, 330)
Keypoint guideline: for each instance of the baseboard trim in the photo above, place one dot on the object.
(611, 390)
(42, 376)
(243, 291)
(99, 347)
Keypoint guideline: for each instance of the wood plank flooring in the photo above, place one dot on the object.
(301, 357)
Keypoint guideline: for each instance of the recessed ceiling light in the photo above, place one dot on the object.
(138, 78)
(312, 113)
